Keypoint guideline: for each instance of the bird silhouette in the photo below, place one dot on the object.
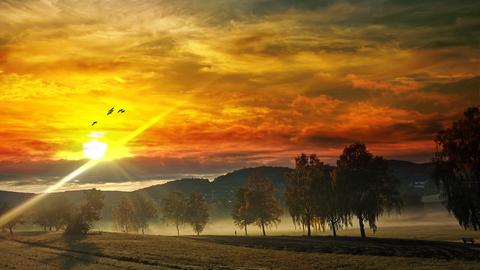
(94, 123)
(110, 111)
(121, 111)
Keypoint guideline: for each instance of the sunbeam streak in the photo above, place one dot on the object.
(22, 208)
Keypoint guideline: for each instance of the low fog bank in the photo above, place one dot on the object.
(432, 222)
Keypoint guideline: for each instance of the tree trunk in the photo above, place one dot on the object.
(263, 230)
(362, 227)
(10, 229)
(309, 231)
(334, 229)
(198, 233)
(246, 234)
(178, 231)
(143, 230)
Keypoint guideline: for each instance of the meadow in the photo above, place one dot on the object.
(52, 250)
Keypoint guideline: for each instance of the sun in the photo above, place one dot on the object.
(94, 149)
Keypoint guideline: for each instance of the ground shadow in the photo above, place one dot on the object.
(78, 251)
(75, 251)
(356, 246)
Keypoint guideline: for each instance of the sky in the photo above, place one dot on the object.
(233, 84)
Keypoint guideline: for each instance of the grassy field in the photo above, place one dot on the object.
(122, 251)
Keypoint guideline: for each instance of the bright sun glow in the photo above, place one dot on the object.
(94, 149)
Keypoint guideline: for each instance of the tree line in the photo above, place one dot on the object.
(131, 214)
(135, 212)
(59, 214)
(318, 195)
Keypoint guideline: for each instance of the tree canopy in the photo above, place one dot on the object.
(300, 191)
(173, 208)
(262, 203)
(134, 212)
(457, 168)
(312, 197)
(240, 214)
(196, 212)
(366, 185)
(83, 217)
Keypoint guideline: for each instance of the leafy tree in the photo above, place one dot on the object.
(52, 213)
(144, 211)
(81, 221)
(41, 216)
(329, 207)
(173, 209)
(457, 168)
(123, 216)
(366, 185)
(196, 213)
(300, 193)
(61, 208)
(241, 217)
(4, 208)
(312, 197)
(262, 203)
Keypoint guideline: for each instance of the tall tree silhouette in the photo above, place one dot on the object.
(330, 208)
(262, 203)
(300, 191)
(241, 217)
(457, 169)
(366, 185)
(312, 197)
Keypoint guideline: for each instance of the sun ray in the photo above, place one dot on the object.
(22, 208)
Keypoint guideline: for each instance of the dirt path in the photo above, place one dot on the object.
(17, 255)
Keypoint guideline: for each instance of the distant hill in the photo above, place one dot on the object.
(409, 172)
(221, 190)
(13, 198)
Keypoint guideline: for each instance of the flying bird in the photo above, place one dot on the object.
(110, 111)
(121, 111)
(94, 123)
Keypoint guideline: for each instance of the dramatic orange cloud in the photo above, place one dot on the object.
(258, 81)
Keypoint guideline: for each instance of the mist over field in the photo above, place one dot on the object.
(424, 222)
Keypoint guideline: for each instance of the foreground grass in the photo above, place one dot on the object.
(190, 253)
